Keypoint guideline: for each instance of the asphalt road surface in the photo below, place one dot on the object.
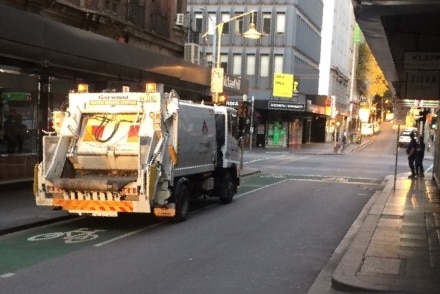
(277, 235)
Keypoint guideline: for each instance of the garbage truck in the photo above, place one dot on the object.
(137, 152)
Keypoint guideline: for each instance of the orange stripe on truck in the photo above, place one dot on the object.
(94, 205)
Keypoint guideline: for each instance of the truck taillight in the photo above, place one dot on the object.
(53, 189)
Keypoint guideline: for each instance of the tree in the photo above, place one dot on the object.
(370, 79)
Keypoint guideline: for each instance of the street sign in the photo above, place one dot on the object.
(217, 75)
(399, 112)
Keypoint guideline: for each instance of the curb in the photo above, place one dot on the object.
(357, 240)
(36, 224)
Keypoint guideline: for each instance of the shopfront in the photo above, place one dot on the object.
(285, 124)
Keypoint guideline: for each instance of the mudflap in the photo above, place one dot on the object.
(168, 210)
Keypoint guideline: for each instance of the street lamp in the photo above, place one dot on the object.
(217, 73)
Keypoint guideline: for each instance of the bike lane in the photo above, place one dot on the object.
(26, 248)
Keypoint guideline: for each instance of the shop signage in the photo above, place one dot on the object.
(418, 103)
(282, 85)
(282, 105)
(423, 84)
(232, 103)
(399, 112)
(421, 60)
(231, 82)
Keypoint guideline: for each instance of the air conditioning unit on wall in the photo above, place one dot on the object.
(180, 19)
(192, 53)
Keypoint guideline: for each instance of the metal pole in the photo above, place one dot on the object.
(397, 156)
(251, 128)
(241, 152)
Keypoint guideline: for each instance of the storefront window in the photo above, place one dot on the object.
(18, 117)
(277, 134)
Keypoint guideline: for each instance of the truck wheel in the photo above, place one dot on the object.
(227, 189)
(181, 201)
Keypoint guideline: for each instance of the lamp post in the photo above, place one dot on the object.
(217, 72)
(251, 127)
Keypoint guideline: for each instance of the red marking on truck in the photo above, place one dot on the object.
(133, 133)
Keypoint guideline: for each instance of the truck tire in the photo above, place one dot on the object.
(181, 202)
(227, 189)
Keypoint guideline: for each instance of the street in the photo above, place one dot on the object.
(275, 237)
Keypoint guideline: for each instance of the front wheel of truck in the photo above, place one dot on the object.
(181, 202)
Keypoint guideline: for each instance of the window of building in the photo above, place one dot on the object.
(225, 19)
(281, 23)
(180, 8)
(224, 61)
(212, 21)
(264, 65)
(278, 64)
(111, 5)
(266, 23)
(210, 60)
(198, 23)
(238, 25)
(250, 65)
(236, 68)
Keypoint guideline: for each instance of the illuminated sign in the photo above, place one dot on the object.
(282, 105)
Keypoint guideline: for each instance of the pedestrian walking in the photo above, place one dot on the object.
(420, 154)
(411, 152)
(343, 141)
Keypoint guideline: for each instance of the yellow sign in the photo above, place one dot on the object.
(282, 85)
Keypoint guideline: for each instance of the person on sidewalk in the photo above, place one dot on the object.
(420, 154)
(344, 141)
(411, 152)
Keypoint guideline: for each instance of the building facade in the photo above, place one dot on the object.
(336, 69)
(290, 44)
(48, 47)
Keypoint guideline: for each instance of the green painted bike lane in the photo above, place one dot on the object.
(23, 249)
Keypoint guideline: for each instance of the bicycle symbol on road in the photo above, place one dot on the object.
(75, 236)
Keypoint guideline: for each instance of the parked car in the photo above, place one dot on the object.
(404, 137)
(367, 129)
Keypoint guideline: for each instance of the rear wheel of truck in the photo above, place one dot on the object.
(181, 202)
(227, 189)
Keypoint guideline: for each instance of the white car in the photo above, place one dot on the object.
(404, 137)
(367, 129)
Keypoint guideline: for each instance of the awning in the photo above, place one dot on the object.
(47, 44)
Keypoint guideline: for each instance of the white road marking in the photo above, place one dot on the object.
(119, 237)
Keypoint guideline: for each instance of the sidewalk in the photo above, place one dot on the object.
(396, 247)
